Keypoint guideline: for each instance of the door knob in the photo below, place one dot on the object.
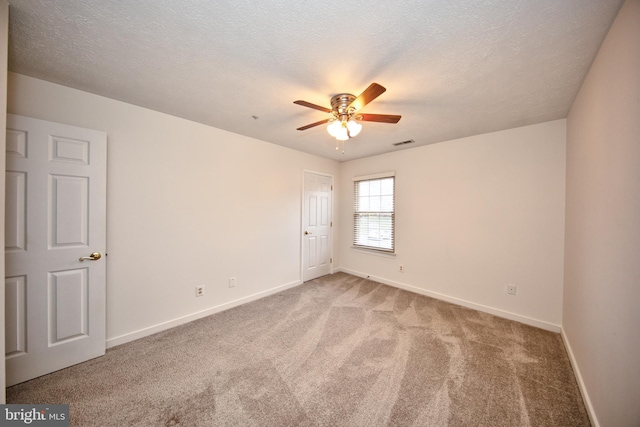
(93, 257)
(306, 232)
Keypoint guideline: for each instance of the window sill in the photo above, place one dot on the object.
(374, 252)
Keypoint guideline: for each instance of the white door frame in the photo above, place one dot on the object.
(302, 210)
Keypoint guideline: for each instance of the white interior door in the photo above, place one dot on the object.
(316, 256)
(55, 215)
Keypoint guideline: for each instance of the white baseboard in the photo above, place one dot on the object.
(486, 309)
(581, 385)
(141, 333)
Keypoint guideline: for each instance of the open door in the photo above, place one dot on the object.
(55, 242)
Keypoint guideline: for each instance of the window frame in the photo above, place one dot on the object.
(357, 214)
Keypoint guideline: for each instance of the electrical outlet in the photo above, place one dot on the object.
(232, 282)
(200, 290)
(511, 289)
(401, 268)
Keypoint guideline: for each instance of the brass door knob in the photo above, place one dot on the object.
(93, 257)
(306, 232)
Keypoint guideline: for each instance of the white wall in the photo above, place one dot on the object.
(187, 205)
(473, 215)
(601, 319)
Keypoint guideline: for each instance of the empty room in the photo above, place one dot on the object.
(290, 213)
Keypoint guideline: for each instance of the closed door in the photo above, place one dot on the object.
(55, 220)
(317, 223)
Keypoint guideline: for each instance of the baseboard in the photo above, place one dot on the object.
(581, 385)
(486, 309)
(141, 333)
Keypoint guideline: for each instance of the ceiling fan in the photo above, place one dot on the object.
(343, 123)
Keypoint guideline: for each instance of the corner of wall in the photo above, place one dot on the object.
(578, 375)
(4, 42)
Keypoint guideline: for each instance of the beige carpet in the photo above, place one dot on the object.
(336, 351)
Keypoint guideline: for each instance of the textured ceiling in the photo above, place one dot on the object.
(451, 68)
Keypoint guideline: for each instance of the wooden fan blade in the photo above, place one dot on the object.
(372, 92)
(314, 106)
(313, 124)
(381, 118)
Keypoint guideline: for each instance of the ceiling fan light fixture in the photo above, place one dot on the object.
(353, 127)
(334, 128)
(343, 134)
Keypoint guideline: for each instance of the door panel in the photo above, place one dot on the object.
(317, 225)
(15, 212)
(68, 292)
(69, 205)
(55, 214)
(15, 316)
(312, 250)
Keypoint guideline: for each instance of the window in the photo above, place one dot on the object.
(374, 212)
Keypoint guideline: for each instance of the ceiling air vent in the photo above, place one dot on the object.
(408, 141)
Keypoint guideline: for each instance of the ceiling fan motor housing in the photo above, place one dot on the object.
(340, 105)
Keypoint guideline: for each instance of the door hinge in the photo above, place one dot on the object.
(331, 224)
(332, 188)
(330, 260)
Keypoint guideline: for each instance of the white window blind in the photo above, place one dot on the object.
(374, 212)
